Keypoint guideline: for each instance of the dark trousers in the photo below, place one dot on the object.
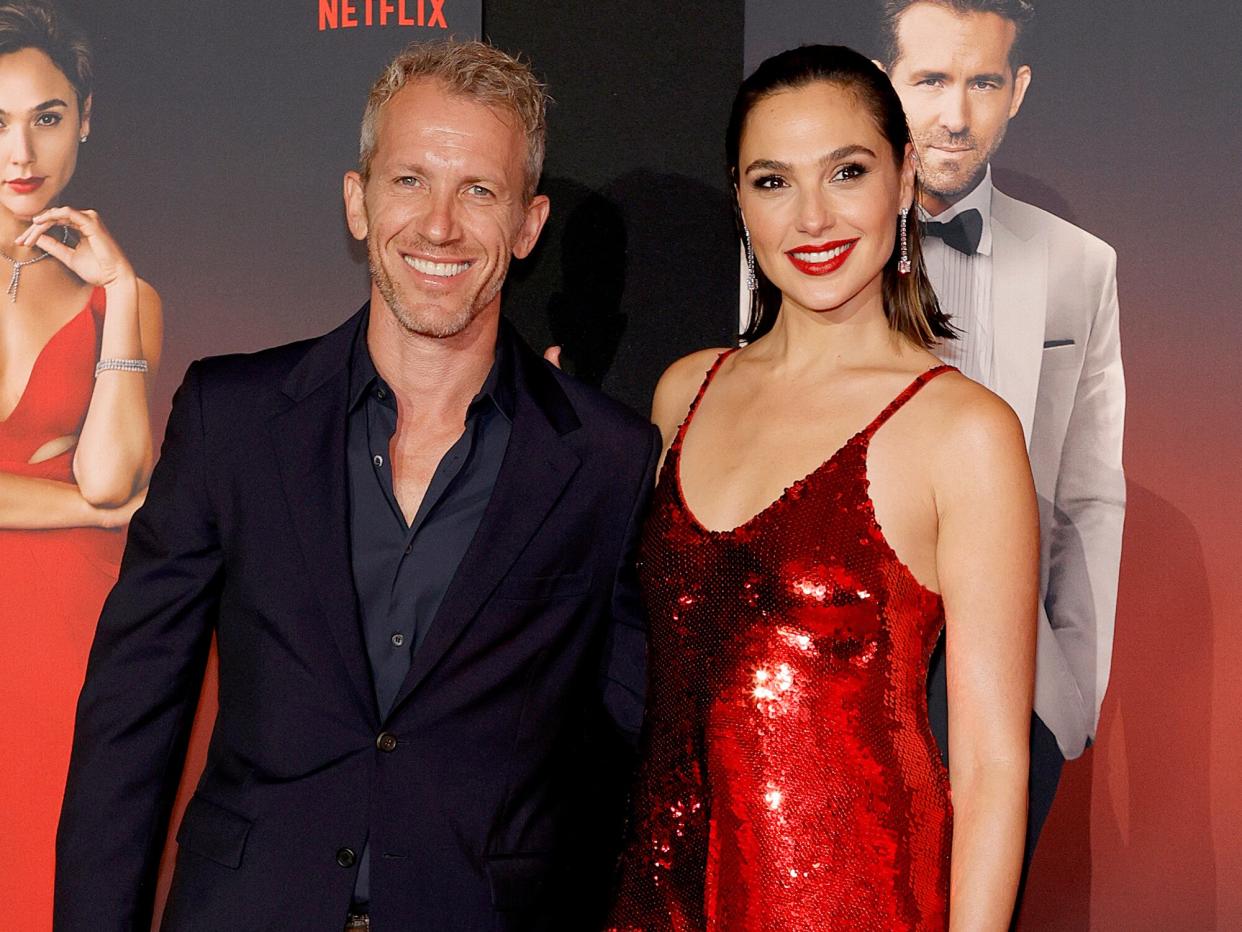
(1046, 759)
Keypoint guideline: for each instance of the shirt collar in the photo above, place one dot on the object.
(498, 387)
(980, 199)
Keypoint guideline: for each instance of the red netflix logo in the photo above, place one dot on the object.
(349, 14)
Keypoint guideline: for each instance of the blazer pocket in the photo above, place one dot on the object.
(517, 880)
(544, 587)
(213, 832)
(1060, 354)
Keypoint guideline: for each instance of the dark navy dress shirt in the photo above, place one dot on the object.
(402, 571)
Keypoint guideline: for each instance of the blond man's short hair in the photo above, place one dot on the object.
(476, 71)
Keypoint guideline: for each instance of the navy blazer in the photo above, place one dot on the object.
(466, 790)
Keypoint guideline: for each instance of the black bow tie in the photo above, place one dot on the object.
(962, 232)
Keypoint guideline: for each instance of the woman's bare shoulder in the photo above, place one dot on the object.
(678, 386)
(147, 295)
(975, 429)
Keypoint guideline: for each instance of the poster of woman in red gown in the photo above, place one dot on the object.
(80, 338)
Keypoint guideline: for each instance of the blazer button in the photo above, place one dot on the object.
(386, 741)
(346, 857)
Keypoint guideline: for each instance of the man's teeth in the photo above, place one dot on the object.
(821, 256)
(442, 269)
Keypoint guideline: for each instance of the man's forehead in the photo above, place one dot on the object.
(936, 36)
(427, 108)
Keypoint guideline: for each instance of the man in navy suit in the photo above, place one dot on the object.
(414, 541)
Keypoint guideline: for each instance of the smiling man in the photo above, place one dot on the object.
(414, 542)
(1035, 300)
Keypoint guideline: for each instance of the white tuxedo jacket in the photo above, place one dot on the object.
(1057, 362)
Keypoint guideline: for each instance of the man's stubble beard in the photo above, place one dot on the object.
(437, 325)
(946, 184)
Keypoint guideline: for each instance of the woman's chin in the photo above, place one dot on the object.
(26, 207)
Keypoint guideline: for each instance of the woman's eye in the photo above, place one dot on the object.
(47, 119)
(849, 172)
(769, 182)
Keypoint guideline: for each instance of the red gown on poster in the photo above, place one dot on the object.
(80, 334)
(53, 584)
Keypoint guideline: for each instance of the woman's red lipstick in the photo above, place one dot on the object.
(806, 259)
(25, 185)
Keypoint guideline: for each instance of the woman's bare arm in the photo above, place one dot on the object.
(114, 455)
(987, 558)
(28, 503)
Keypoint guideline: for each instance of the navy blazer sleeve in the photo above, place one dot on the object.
(624, 679)
(142, 686)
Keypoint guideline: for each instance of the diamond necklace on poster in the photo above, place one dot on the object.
(19, 264)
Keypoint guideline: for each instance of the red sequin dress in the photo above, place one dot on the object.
(52, 587)
(790, 779)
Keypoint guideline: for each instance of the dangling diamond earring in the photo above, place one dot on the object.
(903, 264)
(752, 282)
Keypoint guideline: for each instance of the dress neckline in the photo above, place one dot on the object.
(861, 436)
(91, 302)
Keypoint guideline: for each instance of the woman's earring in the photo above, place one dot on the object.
(752, 282)
(903, 264)
(82, 138)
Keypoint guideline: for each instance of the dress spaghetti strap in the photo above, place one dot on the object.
(675, 448)
(899, 402)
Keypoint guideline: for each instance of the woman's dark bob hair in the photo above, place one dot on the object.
(909, 301)
(39, 24)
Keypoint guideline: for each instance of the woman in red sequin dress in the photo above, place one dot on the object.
(75, 449)
(790, 779)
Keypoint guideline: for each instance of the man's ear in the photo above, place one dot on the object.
(535, 217)
(1021, 81)
(355, 205)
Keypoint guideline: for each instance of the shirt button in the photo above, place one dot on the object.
(398, 639)
(386, 742)
(380, 393)
(346, 857)
(377, 460)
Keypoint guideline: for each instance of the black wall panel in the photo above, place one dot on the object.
(638, 264)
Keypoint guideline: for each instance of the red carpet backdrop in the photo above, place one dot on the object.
(220, 132)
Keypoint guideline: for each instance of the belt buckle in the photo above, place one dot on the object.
(357, 922)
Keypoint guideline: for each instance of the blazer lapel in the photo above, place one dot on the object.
(309, 440)
(1019, 297)
(537, 466)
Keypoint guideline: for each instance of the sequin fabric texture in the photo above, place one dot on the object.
(790, 779)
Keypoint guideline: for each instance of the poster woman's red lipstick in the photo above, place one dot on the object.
(25, 185)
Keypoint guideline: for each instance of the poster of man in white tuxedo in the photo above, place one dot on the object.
(1035, 300)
